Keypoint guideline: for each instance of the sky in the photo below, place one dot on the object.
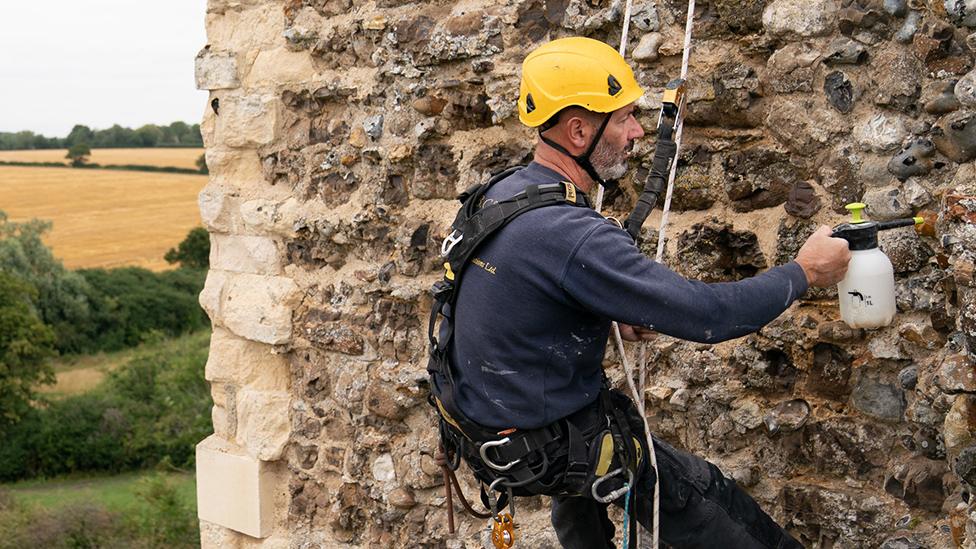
(99, 63)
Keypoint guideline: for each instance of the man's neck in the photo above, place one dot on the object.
(564, 165)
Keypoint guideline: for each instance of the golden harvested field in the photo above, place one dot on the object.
(174, 158)
(105, 218)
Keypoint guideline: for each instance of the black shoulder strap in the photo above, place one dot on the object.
(480, 218)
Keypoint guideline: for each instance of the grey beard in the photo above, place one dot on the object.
(608, 163)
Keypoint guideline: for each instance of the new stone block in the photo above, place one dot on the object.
(255, 307)
(246, 363)
(216, 70)
(245, 254)
(263, 422)
(280, 66)
(234, 490)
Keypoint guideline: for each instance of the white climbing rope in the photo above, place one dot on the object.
(638, 390)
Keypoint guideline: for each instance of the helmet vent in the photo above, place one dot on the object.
(614, 85)
(529, 103)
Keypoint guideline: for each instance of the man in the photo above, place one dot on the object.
(526, 336)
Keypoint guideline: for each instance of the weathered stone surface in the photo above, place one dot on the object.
(830, 371)
(959, 428)
(802, 200)
(791, 68)
(887, 203)
(216, 71)
(646, 50)
(252, 306)
(758, 178)
(263, 425)
(840, 92)
(880, 133)
(803, 127)
(248, 363)
(245, 254)
(787, 416)
(906, 250)
(897, 79)
(878, 398)
(957, 374)
(783, 18)
(713, 252)
(955, 136)
(844, 51)
(940, 97)
(919, 483)
(248, 121)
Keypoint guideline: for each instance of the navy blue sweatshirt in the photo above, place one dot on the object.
(534, 309)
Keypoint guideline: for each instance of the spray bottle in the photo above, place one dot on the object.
(867, 292)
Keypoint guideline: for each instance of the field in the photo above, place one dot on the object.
(155, 156)
(105, 218)
(117, 493)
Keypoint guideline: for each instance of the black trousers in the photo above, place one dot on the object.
(700, 507)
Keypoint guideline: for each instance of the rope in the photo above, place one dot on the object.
(662, 231)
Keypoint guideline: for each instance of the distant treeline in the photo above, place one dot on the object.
(96, 166)
(177, 134)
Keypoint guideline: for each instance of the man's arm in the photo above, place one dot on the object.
(609, 276)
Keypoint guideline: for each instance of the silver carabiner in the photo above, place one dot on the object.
(609, 498)
(451, 241)
(491, 444)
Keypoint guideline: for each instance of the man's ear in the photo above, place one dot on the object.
(578, 131)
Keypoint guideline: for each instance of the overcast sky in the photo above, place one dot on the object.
(98, 63)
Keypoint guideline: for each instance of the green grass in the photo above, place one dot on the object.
(117, 493)
(77, 374)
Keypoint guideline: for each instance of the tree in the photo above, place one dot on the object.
(202, 164)
(79, 134)
(193, 252)
(25, 345)
(79, 153)
(63, 297)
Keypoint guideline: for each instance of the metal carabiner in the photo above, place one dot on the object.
(609, 498)
(450, 241)
(491, 444)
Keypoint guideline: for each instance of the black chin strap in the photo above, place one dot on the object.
(583, 160)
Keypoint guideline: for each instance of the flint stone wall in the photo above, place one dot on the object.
(338, 133)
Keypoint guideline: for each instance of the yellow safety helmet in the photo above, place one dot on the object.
(574, 71)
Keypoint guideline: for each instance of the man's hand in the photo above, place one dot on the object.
(823, 258)
(635, 333)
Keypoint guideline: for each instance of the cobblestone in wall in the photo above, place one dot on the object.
(338, 133)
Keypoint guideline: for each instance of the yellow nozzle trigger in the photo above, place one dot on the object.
(918, 220)
(856, 208)
(449, 274)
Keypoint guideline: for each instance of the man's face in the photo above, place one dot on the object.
(611, 153)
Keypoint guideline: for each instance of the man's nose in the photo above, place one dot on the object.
(636, 131)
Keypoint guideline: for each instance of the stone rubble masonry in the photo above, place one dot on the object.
(338, 133)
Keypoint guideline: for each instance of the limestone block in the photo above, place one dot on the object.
(241, 167)
(280, 67)
(216, 70)
(268, 216)
(234, 491)
(246, 363)
(218, 209)
(246, 120)
(245, 254)
(263, 422)
(252, 306)
(241, 30)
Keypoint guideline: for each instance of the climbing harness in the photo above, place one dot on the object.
(600, 459)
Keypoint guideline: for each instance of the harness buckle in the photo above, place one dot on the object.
(570, 191)
(609, 498)
(483, 451)
(452, 240)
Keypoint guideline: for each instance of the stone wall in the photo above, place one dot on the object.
(338, 132)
